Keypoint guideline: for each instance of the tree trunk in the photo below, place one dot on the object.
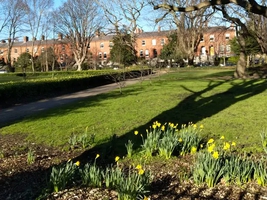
(79, 66)
(241, 66)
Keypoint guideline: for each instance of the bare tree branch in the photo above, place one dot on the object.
(250, 6)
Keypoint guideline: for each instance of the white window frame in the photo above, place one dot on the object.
(212, 38)
(162, 41)
(154, 42)
(141, 53)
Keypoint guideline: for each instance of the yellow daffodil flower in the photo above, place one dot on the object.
(117, 158)
(233, 143)
(97, 155)
(222, 137)
(163, 128)
(141, 171)
(77, 163)
(136, 132)
(193, 150)
(180, 140)
(215, 155)
(210, 141)
(211, 147)
(154, 126)
(226, 146)
(138, 167)
(201, 126)
(194, 126)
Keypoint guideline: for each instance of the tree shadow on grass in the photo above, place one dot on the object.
(192, 108)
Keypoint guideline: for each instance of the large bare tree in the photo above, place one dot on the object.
(189, 27)
(124, 14)
(36, 13)
(14, 11)
(79, 21)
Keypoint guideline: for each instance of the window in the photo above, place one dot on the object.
(14, 59)
(227, 36)
(228, 48)
(27, 50)
(147, 53)
(202, 39)
(211, 38)
(111, 44)
(221, 48)
(154, 42)
(141, 53)
(15, 50)
(63, 47)
(42, 49)
(102, 45)
(100, 55)
(143, 43)
(105, 55)
(162, 41)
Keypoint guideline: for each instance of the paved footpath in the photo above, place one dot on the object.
(16, 113)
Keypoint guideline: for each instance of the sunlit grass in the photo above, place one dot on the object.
(234, 109)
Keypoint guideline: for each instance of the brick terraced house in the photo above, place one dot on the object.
(215, 42)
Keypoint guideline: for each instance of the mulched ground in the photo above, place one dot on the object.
(19, 180)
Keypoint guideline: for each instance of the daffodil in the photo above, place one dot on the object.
(146, 198)
(215, 155)
(136, 132)
(77, 163)
(201, 126)
(158, 124)
(201, 146)
(210, 141)
(97, 155)
(193, 150)
(180, 140)
(226, 146)
(154, 126)
(117, 158)
(138, 167)
(171, 125)
(211, 147)
(233, 143)
(163, 128)
(222, 137)
(194, 126)
(141, 171)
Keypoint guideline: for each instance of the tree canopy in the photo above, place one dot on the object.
(121, 52)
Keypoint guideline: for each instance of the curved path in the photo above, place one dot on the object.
(12, 114)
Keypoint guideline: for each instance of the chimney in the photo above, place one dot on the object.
(97, 33)
(25, 39)
(60, 36)
(42, 37)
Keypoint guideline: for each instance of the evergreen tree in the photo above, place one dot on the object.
(121, 51)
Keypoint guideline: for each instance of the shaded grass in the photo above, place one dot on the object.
(233, 108)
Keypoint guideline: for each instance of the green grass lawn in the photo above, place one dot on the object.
(233, 108)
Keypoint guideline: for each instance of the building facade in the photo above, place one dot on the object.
(215, 43)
